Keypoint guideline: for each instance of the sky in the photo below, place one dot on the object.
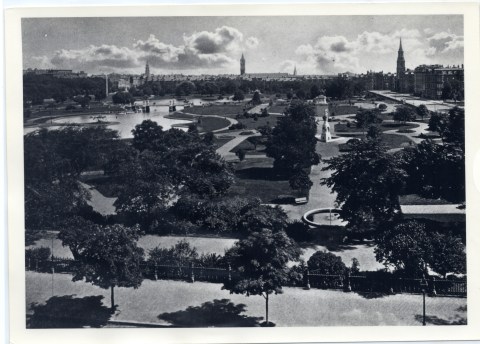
(214, 45)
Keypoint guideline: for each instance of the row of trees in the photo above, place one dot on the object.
(368, 179)
(36, 88)
(337, 88)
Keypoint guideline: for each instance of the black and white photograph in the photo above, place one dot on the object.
(227, 171)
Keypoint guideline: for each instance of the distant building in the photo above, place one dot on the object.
(295, 71)
(401, 81)
(147, 73)
(242, 65)
(430, 80)
(57, 73)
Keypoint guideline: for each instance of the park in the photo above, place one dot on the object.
(200, 207)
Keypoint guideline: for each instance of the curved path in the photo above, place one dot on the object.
(225, 150)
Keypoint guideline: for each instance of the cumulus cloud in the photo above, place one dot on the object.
(444, 42)
(333, 54)
(330, 54)
(204, 49)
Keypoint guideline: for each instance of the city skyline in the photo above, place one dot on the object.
(214, 45)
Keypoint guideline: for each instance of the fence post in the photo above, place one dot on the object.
(434, 291)
(347, 287)
(229, 273)
(192, 273)
(306, 278)
(155, 271)
(36, 265)
(29, 265)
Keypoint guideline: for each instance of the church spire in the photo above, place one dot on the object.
(242, 65)
(400, 48)
(295, 70)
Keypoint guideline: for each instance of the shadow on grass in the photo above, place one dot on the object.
(69, 312)
(372, 295)
(216, 313)
(333, 239)
(434, 320)
(262, 173)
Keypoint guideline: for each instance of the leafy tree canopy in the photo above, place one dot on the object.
(410, 247)
(367, 181)
(261, 261)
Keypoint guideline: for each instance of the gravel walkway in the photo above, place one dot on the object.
(295, 307)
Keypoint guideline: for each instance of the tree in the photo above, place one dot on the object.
(263, 217)
(422, 111)
(241, 154)
(448, 254)
(261, 261)
(238, 95)
(108, 257)
(292, 143)
(435, 170)
(447, 92)
(53, 162)
(256, 98)
(326, 263)
(122, 98)
(301, 94)
(185, 88)
(365, 118)
(179, 254)
(367, 181)
(404, 114)
(301, 181)
(314, 91)
(412, 248)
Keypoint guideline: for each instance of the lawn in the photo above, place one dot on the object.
(390, 140)
(251, 123)
(256, 178)
(277, 108)
(206, 124)
(342, 110)
(343, 128)
(414, 199)
(218, 110)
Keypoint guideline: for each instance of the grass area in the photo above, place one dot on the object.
(390, 140)
(218, 110)
(258, 179)
(415, 199)
(251, 123)
(343, 128)
(342, 110)
(277, 108)
(206, 124)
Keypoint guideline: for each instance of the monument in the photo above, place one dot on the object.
(326, 134)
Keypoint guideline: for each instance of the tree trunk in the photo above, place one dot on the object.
(112, 299)
(266, 308)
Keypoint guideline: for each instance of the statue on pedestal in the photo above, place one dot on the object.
(326, 135)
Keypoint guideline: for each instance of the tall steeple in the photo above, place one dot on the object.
(400, 69)
(147, 72)
(242, 65)
(295, 70)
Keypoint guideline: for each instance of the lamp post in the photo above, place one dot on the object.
(53, 268)
(424, 284)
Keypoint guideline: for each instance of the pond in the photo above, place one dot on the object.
(125, 122)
